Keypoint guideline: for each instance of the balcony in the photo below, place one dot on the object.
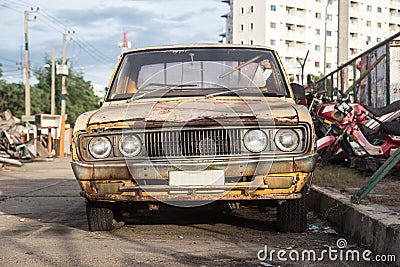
(354, 9)
(394, 15)
(353, 42)
(353, 25)
(395, 4)
(295, 15)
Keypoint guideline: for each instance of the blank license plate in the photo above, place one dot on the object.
(192, 178)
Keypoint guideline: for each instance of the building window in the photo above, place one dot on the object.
(316, 64)
(329, 17)
(273, 25)
(368, 39)
(241, 42)
(317, 32)
(369, 8)
(272, 42)
(317, 48)
(379, 9)
(318, 15)
(368, 23)
(328, 33)
(328, 65)
(252, 9)
(251, 42)
(378, 40)
(242, 27)
(273, 7)
(379, 25)
(242, 10)
(251, 26)
(328, 49)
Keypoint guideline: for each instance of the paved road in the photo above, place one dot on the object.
(43, 223)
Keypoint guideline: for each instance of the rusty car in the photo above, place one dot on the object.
(187, 125)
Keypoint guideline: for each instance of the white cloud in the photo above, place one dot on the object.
(99, 26)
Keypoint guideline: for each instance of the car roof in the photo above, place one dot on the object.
(190, 46)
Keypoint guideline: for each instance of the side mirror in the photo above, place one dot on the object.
(298, 91)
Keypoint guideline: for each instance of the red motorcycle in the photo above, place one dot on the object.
(366, 136)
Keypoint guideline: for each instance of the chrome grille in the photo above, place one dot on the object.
(193, 143)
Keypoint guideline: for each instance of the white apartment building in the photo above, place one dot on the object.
(294, 27)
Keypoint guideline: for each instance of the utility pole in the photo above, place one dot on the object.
(26, 68)
(64, 74)
(27, 71)
(53, 82)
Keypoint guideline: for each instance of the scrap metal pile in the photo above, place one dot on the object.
(13, 149)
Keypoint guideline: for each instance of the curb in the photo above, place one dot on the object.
(372, 225)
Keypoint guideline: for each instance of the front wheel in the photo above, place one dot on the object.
(292, 215)
(99, 215)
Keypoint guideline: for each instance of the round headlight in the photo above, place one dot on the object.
(255, 140)
(100, 147)
(130, 145)
(286, 140)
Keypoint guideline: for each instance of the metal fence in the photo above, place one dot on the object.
(371, 78)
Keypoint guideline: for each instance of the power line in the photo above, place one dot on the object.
(9, 66)
(13, 9)
(20, 3)
(54, 19)
(51, 26)
(53, 22)
(61, 27)
(100, 58)
(11, 70)
(9, 60)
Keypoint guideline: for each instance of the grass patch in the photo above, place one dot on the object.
(339, 176)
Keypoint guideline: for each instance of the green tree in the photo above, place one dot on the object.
(12, 98)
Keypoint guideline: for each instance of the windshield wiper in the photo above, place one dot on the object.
(164, 87)
(168, 85)
(244, 64)
(241, 89)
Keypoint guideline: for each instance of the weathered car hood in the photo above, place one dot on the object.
(182, 110)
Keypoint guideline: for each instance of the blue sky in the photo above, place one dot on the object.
(98, 27)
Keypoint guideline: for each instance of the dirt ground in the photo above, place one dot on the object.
(43, 223)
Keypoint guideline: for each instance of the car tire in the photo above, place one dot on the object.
(99, 216)
(292, 215)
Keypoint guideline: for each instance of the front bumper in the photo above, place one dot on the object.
(111, 181)
(159, 170)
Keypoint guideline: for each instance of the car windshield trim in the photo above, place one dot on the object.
(195, 68)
